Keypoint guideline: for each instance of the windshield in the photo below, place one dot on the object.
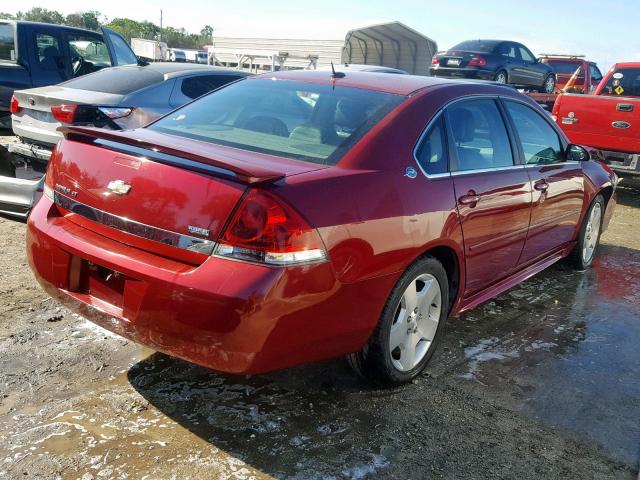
(480, 46)
(305, 121)
(625, 82)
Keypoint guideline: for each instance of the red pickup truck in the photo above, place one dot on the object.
(608, 120)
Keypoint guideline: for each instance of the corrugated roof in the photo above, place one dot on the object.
(390, 44)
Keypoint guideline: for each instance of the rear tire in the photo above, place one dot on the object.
(501, 77)
(584, 252)
(409, 328)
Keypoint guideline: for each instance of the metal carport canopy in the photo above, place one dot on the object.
(390, 44)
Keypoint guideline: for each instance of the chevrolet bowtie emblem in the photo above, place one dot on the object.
(119, 187)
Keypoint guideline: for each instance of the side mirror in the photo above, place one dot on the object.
(577, 153)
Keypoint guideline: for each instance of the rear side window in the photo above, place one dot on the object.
(48, 52)
(432, 152)
(195, 87)
(506, 50)
(624, 82)
(596, 75)
(480, 136)
(7, 43)
(316, 123)
(566, 68)
(540, 142)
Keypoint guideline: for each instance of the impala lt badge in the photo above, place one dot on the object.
(119, 187)
(66, 190)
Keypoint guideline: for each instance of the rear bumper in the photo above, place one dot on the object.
(472, 73)
(30, 150)
(20, 184)
(231, 316)
(622, 163)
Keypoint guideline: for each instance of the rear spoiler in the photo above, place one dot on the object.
(161, 152)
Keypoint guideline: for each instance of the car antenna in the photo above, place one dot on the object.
(336, 74)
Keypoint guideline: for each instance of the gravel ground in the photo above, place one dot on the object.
(540, 383)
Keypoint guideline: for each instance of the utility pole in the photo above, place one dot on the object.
(160, 25)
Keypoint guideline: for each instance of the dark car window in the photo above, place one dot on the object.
(506, 50)
(624, 82)
(480, 46)
(122, 52)
(48, 52)
(305, 121)
(7, 43)
(432, 152)
(540, 142)
(596, 75)
(480, 135)
(526, 55)
(566, 68)
(89, 53)
(195, 87)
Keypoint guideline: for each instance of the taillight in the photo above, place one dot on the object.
(477, 61)
(264, 229)
(14, 106)
(64, 113)
(434, 60)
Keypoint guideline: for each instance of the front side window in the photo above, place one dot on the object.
(432, 151)
(625, 82)
(88, 54)
(123, 55)
(526, 55)
(7, 43)
(316, 123)
(540, 142)
(480, 135)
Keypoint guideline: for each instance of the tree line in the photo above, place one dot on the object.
(128, 28)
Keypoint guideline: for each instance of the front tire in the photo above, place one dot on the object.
(589, 236)
(409, 328)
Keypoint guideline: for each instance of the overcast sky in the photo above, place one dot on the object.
(606, 31)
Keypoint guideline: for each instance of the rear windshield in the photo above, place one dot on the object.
(625, 82)
(567, 68)
(480, 46)
(316, 123)
(117, 80)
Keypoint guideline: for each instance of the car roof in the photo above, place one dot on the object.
(381, 82)
(176, 69)
(49, 25)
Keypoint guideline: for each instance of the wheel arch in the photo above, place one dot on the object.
(452, 259)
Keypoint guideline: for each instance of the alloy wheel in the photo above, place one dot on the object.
(415, 322)
(549, 85)
(501, 78)
(592, 233)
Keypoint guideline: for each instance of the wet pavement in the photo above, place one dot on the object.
(542, 382)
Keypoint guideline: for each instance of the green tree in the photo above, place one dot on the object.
(7, 16)
(38, 14)
(89, 20)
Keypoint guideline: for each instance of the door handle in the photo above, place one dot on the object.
(470, 199)
(624, 107)
(541, 186)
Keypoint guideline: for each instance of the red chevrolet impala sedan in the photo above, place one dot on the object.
(298, 216)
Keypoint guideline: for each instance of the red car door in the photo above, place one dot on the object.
(557, 184)
(494, 194)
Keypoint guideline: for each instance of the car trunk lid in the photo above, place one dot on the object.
(156, 192)
(456, 58)
(35, 122)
